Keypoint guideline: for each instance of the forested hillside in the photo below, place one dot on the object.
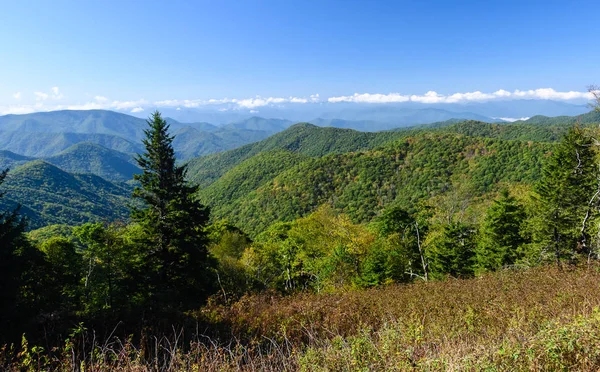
(9, 160)
(50, 195)
(240, 183)
(83, 157)
(86, 157)
(592, 117)
(363, 183)
(49, 144)
(314, 141)
(303, 138)
(191, 142)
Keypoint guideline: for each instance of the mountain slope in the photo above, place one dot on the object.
(9, 159)
(206, 127)
(190, 142)
(50, 195)
(248, 176)
(49, 144)
(86, 157)
(316, 141)
(362, 183)
(301, 138)
(261, 124)
(587, 118)
(360, 125)
(522, 132)
(395, 116)
(77, 121)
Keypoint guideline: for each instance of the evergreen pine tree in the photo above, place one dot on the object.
(177, 264)
(568, 183)
(454, 252)
(500, 236)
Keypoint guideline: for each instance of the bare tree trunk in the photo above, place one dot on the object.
(583, 238)
(557, 247)
(425, 265)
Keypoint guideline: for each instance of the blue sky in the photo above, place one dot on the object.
(140, 52)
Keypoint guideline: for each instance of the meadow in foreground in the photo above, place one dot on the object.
(537, 319)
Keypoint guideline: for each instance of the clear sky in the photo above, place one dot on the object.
(76, 52)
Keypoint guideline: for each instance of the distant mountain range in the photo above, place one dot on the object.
(46, 134)
(303, 163)
(391, 114)
(104, 142)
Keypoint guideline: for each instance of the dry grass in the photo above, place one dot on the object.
(537, 319)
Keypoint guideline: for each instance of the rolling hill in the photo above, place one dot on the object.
(190, 142)
(49, 195)
(249, 175)
(301, 138)
(86, 157)
(587, 118)
(360, 125)
(77, 121)
(48, 144)
(9, 159)
(311, 140)
(362, 183)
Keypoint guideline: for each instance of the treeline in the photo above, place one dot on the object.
(458, 233)
(158, 270)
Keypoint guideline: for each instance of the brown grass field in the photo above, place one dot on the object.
(541, 319)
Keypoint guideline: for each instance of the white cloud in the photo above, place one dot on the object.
(84, 106)
(39, 96)
(43, 99)
(370, 98)
(429, 97)
(99, 103)
(126, 105)
(512, 119)
(549, 93)
(248, 103)
(42, 96)
(477, 96)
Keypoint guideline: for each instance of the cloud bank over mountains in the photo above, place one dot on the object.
(434, 97)
(54, 99)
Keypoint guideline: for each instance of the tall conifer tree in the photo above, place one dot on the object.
(177, 264)
(501, 235)
(568, 183)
